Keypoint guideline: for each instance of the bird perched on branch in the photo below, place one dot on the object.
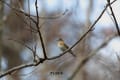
(61, 44)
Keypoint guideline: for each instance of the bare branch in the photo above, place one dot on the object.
(21, 43)
(115, 20)
(16, 69)
(32, 50)
(21, 67)
(39, 32)
(31, 28)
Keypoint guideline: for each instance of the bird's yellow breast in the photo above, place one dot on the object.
(60, 44)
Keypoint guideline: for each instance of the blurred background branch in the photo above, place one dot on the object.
(30, 29)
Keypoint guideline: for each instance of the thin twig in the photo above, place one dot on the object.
(115, 20)
(54, 17)
(22, 19)
(34, 47)
(21, 43)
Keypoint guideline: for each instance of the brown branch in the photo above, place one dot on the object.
(10, 71)
(39, 32)
(16, 69)
(115, 20)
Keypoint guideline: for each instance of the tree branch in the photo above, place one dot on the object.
(39, 32)
(115, 20)
(10, 71)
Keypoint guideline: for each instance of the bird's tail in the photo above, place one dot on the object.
(72, 53)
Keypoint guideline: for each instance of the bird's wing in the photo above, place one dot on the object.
(66, 46)
(70, 51)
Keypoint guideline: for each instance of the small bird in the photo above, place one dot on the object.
(61, 44)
